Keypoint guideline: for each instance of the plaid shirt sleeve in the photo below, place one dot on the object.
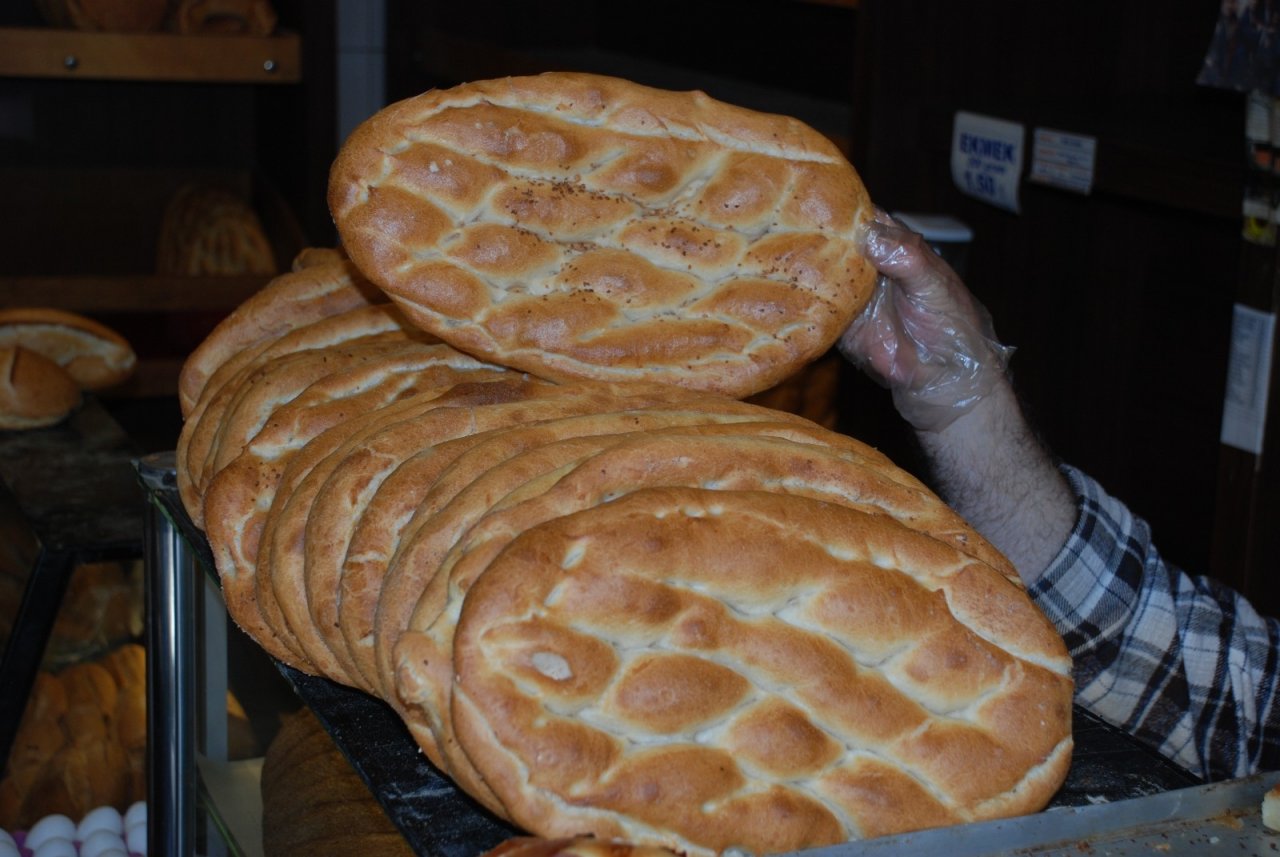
(1183, 663)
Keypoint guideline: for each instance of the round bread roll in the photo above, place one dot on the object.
(579, 226)
(92, 353)
(34, 391)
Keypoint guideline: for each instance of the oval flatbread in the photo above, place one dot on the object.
(578, 226)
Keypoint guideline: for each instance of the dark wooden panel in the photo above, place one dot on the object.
(1119, 302)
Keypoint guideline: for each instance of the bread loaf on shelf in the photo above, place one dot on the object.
(210, 231)
(34, 391)
(81, 742)
(313, 801)
(95, 356)
(225, 17)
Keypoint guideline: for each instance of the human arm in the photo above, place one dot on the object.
(1183, 663)
(928, 339)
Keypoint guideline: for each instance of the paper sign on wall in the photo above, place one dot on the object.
(986, 158)
(1063, 160)
(1244, 413)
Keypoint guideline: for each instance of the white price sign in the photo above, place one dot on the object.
(1244, 412)
(986, 158)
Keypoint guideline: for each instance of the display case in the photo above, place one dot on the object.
(71, 527)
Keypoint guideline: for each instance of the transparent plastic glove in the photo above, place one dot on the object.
(923, 334)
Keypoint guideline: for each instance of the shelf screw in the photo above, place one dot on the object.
(70, 62)
(269, 66)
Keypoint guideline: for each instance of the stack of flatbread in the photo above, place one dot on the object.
(492, 465)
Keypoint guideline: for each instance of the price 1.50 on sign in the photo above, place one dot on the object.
(986, 158)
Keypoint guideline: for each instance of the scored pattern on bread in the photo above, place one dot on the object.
(243, 494)
(564, 477)
(34, 391)
(619, 671)
(364, 330)
(353, 540)
(349, 482)
(573, 225)
(323, 285)
(523, 502)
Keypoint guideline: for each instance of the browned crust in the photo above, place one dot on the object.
(243, 494)
(634, 616)
(573, 225)
(35, 392)
(323, 286)
(93, 354)
(572, 846)
(564, 477)
(379, 323)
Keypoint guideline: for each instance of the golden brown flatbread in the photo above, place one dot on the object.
(573, 225)
(834, 675)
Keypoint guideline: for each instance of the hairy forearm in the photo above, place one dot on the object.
(992, 469)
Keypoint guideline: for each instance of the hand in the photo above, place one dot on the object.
(922, 334)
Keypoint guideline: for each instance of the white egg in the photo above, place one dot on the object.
(6, 839)
(9, 848)
(136, 839)
(50, 827)
(55, 847)
(102, 818)
(100, 841)
(136, 812)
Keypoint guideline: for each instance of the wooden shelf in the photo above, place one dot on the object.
(123, 294)
(163, 317)
(72, 54)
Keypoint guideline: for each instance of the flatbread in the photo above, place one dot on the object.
(579, 226)
(834, 676)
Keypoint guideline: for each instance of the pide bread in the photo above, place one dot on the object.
(34, 391)
(321, 285)
(373, 324)
(564, 477)
(641, 682)
(573, 225)
(241, 495)
(332, 501)
(93, 354)
(400, 534)
(490, 462)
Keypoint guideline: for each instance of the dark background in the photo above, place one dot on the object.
(1119, 303)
